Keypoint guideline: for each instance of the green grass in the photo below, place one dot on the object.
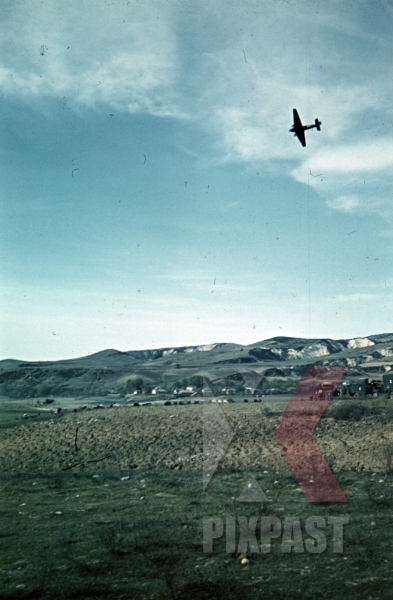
(75, 537)
(70, 536)
(12, 410)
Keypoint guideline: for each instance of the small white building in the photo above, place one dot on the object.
(158, 390)
(184, 393)
(228, 391)
(252, 391)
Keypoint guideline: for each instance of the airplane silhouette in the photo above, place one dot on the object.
(298, 128)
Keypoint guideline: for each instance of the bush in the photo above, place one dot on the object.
(345, 412)
(136, 383)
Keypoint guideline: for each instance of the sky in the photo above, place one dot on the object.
(151, 193)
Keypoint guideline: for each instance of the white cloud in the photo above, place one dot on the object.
(328, 62)
(367, 157)
(239, 81)
(346, 204)
(123, 55)
(280, 57)
(133, 81)
(352, 178)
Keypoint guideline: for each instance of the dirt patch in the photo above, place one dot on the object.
(114, 441)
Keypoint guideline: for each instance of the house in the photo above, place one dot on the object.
(185, 393)
(252, 391)
(158, 390)
(228, 391)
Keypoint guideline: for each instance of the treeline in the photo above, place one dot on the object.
(137, 384)
(38, 383)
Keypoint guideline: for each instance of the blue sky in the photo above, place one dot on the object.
(151, 194)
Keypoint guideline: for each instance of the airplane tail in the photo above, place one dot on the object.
(318, 124)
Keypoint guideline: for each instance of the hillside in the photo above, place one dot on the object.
(280, 359)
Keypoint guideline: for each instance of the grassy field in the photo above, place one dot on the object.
(95, 532)
(69, 537)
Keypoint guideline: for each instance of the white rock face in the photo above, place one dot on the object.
(359, 343)
(292, 353)
(386, 351)
(312, 351)
(277, 351)
(206, 347)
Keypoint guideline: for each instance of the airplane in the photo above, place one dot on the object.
(298, 128)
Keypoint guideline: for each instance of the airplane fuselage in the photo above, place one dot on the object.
(304, 127)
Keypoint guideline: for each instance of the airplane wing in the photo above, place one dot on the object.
(298, 128)
(296, 119)
(301, 135)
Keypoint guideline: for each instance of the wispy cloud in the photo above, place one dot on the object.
(368, 156)
(88, 322)
(330, 63)
(90, 55)
(353, 298)
(347, 204)
(352, 178)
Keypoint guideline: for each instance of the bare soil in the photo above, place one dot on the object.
(115, 441)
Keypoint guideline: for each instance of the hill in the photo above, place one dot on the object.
(281, 359)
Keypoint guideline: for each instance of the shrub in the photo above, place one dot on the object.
(135, 383)
(345, 412)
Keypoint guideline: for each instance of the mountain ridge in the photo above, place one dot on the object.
(156, 353)
(112, 371)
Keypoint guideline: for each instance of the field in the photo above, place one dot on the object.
(109, 503)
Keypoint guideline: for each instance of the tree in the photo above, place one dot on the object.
(136, 383)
